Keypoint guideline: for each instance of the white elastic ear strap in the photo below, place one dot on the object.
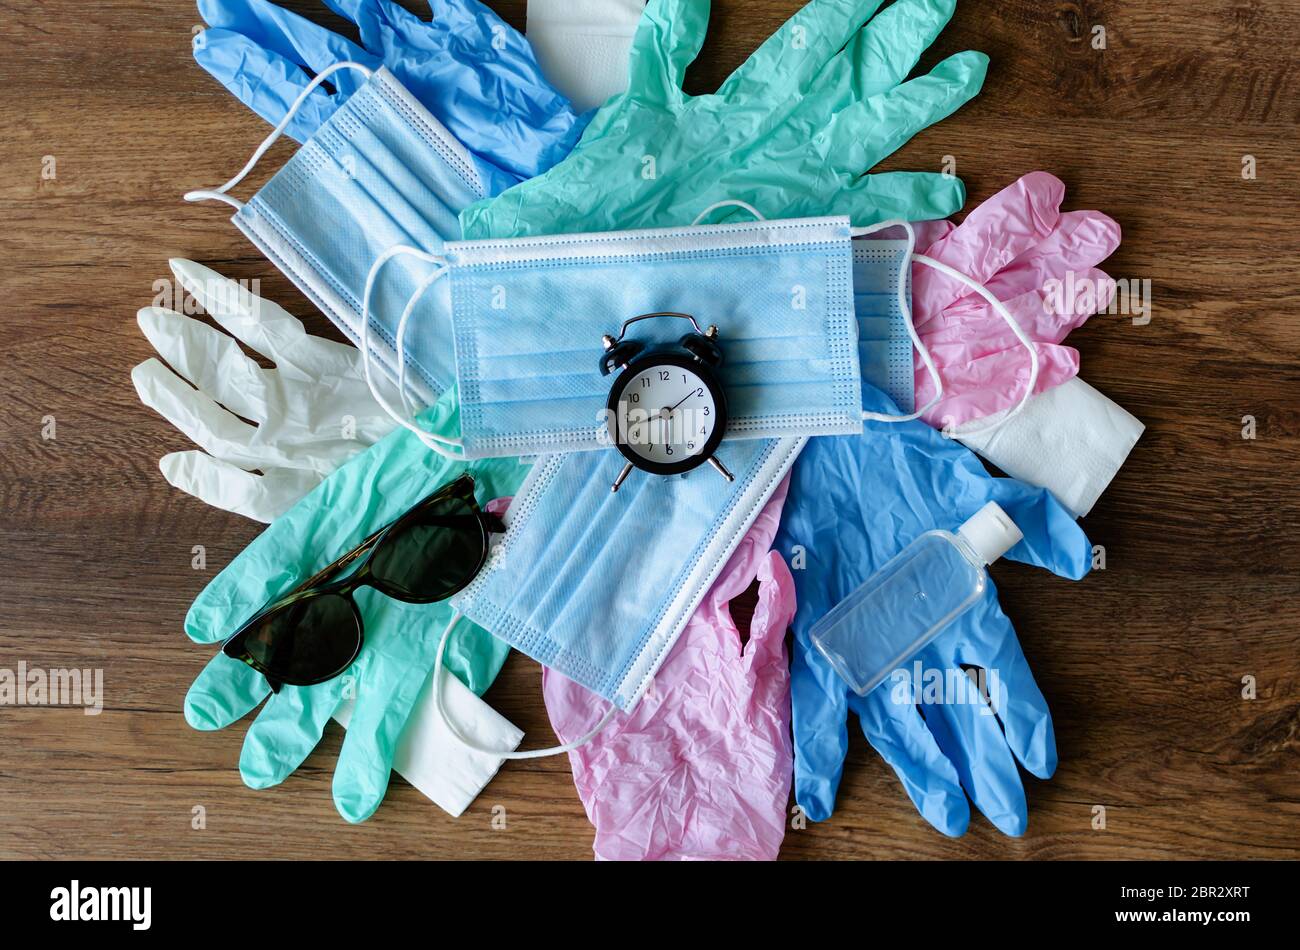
(440, 444)
(501, 753)
(921, 348)
(219, 194)
(728, 203)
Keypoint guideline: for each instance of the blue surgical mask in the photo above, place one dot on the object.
(884, 348)
(805, 313)
(528, 316)
(380, 171)
(598, 585)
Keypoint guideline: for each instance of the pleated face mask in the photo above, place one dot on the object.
(598, 585)
(528, 317)
(884, 348)
(380, 171)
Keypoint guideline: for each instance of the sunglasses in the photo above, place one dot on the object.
(313, 633)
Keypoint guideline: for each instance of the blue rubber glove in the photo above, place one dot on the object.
(855, 502)
(472, 70)
(371, 490)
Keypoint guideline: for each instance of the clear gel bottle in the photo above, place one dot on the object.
(909, 601)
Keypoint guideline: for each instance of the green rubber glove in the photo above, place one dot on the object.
(369, 491)
(794, 130)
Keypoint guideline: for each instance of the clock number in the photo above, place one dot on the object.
(633, 397)
(706, 410)
(645, 381)
(663, 375)
(668, 449)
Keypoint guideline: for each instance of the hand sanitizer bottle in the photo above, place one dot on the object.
(909, 601)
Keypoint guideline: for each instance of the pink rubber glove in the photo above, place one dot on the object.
(1014, 243)
(701, 768)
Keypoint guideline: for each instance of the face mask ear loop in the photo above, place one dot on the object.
(407, 404)
(219, 194)
(1005, 314)
(728, 203)
(436, 442)
(906, 311)
(500, 753)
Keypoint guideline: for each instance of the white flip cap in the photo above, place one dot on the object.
(990, 532)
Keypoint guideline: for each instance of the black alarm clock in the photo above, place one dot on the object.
(667, 411)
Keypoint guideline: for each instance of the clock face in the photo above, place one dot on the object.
(666, 415)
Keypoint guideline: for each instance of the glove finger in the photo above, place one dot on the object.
(266, 327)
(1080, 240)
(265, 82)
(356, 11)
(1013, 691)
(971, 739)
(256, 322)
(882, 53)
(896, 730)
(195, 413)
(294, 38)
(821, 737)
(667, 40)
(971, 328)
(1052, 539)
(473, 655)
(774, 611)
(989, 384)
(228, 487)
(459, 16)
(211, 361)
(898, 195)
(1075, 297)
(287, 731)
(790, 61)
(864, 133)
(1015, 220)
(383, 705)
(224, 692)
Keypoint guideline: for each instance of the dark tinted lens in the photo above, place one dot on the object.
(307, 641)
(433, 554)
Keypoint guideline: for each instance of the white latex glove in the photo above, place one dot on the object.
(309, 415)
(583, 46)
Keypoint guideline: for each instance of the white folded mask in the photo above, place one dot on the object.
(427, 755)
(583, 46)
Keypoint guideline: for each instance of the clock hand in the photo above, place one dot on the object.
(683, 399)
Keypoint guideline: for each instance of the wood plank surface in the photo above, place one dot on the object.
(1142, 663)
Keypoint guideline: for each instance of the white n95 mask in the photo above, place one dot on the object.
(380, 171)
(583, 46)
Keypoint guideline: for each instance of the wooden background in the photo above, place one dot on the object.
(1142, 663)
